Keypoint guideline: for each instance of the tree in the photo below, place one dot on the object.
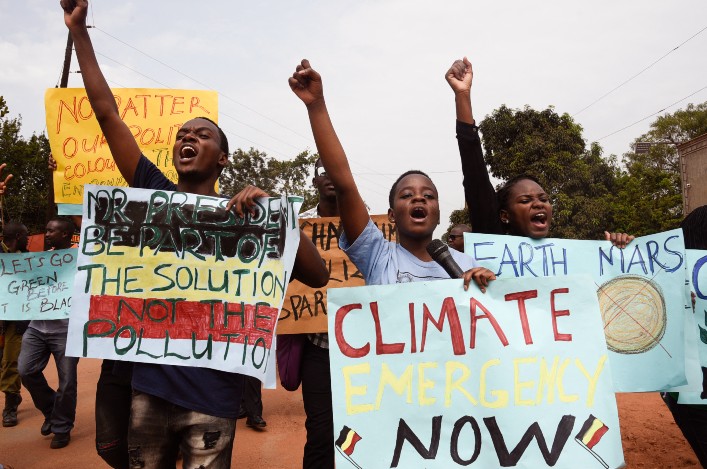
(26, 198)
(649, 196)
(273, 176)
(550, 147)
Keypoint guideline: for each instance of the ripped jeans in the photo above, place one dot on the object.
(159, 429)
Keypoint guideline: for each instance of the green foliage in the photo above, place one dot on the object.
(550, 147)
(26, 198)
(254, 167)
(649, 196)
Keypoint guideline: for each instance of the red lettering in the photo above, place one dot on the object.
(92, 148)
(559, 312)
(70, 153)
(72, 111)
(83, 116)
(195, 103)
(487, 315)
(449, 310)
(136, 130)
(162, 96)
(177, 101)
(128, 107)
(159, 134)
(413, 339)
(520, 297)
(345, 347)
(381, 347)
(146, 141)
(144, 103)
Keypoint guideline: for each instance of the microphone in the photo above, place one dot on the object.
(441, 255)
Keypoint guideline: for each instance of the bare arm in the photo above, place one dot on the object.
(125, 150)
(307, 85)
(309, 265)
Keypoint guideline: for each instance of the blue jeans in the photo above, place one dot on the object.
(158, 429)
(59, 406)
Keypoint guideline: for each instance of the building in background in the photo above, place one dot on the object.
(693, 173)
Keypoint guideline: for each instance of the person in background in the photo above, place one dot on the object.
(14, 240)
(252, 404)
(692, 418)
(455, 238)
(48, 338)
(316, 375)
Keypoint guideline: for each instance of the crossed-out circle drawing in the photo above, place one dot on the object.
(633, 310)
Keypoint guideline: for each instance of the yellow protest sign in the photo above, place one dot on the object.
(304, 309)
(80, 148)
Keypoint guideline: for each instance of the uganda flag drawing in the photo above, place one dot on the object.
(173, 278)
(346, 443)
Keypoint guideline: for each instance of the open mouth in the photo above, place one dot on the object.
(418, 213)
(187, 152)
(539, 219)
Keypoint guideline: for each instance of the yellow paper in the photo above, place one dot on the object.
(80, 148)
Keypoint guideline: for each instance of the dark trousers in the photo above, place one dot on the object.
(692, 420)
(316, 394)
(160, 429)
(252, 402)
(113, 397)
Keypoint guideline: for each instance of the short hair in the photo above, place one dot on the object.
(221, 135)
(504, 192)
(463, 227)
(694, 228)
(65, 223)
(391, 196)
(13, 229)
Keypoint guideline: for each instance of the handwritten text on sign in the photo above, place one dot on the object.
(37, 285)
(174, 278)
(304, 309)
(454, 378)
(80, 148)
(641, 292)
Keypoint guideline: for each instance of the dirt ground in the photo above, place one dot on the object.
(650, 437)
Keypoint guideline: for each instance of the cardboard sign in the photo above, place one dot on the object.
(641, 289)
(428, 375)
(174, 278)
(304, 309)
(697, 274)
(80, 148)
(37, 285)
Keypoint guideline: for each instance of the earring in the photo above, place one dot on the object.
(504, 221)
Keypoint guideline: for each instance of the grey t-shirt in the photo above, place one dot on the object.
(383, 262)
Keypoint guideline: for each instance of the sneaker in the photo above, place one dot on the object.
(255, 422)
(60, 440)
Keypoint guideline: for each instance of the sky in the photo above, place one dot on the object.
(383, 64)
